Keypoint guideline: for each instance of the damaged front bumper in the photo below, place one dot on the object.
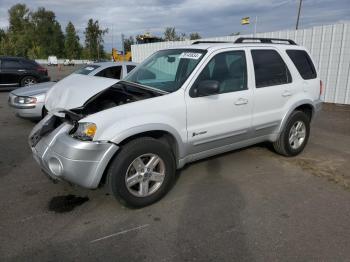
(64, 158)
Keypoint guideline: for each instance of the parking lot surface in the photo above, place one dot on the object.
(246, 205)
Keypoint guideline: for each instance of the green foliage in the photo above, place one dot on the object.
(47, 33)
(37, 34)
(128, 42)
(170, 34)
(194, 36)
(94, 40)
(32, 34)
(72, 46)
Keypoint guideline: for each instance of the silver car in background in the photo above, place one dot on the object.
(29, 102)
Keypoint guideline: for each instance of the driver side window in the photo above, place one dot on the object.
(229, 69)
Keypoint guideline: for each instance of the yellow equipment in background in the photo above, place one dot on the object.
(119, 56)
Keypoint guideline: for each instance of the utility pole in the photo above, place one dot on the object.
(256, 21)
(299, 10)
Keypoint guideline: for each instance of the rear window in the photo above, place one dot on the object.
(303, 63)
(86, 69)
(269, 68)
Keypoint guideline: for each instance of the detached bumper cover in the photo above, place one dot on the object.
(65, 158)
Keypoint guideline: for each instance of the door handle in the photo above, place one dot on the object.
(286, 93)
(241, 101)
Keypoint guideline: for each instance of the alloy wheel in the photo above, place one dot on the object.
(297, 134)
(145, 175)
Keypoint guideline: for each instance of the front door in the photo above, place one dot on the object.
(217, 121)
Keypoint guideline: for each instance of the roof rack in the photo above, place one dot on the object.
(263, 40)
(251, 40)
(209, 42)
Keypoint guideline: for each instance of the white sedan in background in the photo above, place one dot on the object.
(28, 102)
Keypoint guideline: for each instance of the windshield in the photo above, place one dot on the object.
(166, 70)
(86, 69)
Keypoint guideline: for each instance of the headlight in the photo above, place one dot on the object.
(85, 131)
(25, 100)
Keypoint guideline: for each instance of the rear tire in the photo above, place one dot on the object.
(140, 183)
(28, 80)
(294, 136)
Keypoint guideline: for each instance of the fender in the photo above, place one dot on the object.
(153, 127)
(292, 108)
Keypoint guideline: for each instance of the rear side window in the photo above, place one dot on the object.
(303, 63)
(11, 63)
(86, 69)
(129, 68)
(29, 64)
(111, 72)
(270, 69)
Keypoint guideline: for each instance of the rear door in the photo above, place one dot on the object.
(220, 120)
(273, 89)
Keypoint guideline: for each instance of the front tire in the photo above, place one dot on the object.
(294, 136)
(142, 172)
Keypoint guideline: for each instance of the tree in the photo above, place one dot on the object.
(194, 36)
(16, 41)
(170, 34)
(127, 43)
(72, 48)
(47, 33)
(94, 39)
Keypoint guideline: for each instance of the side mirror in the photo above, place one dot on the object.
(207, 88)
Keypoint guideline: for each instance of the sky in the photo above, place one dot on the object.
(207, 17)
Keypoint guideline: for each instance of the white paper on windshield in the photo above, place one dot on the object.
(190, 55)
(89, 68)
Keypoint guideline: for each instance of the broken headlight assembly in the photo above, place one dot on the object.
(84, 131)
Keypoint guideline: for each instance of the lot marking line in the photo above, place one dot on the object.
(120, 233)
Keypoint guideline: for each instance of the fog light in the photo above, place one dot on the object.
(55, 166)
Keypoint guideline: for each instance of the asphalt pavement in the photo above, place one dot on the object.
(246, 205)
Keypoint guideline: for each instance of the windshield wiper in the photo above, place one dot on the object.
(149, 88)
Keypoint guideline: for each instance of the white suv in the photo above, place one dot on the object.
(178, 106)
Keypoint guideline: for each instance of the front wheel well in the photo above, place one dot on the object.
(164, 136)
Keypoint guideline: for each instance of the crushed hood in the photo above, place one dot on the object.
(74, 90)
(33, 89)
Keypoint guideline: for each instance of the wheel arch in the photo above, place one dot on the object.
(306, 106)
(172, 140)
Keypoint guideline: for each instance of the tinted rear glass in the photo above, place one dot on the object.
(303, 63)
(10, 63)
(111, 72)
(86, 69)
(29, 64)
(270, 69)
(129, 68)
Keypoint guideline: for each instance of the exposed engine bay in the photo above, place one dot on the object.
(119, 94)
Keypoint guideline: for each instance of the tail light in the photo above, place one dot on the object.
(41, 70)
(321, 88)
